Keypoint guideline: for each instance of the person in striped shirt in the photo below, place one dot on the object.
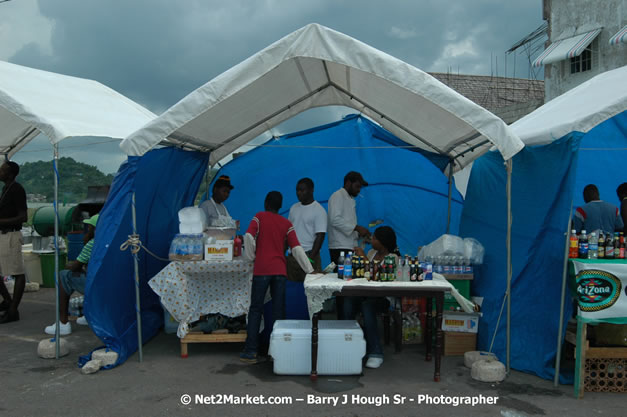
(73, 278)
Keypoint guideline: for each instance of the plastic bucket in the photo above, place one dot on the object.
(74, 245)
(47, 267)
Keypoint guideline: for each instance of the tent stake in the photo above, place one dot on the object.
(558, 355)
(56, 251)
(137, 299)
(509, 165)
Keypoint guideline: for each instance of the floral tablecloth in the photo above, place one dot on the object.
(320, 287)
(191, 289)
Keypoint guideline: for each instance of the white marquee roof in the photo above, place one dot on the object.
(577, 110)
(316, 66)
(34, 101)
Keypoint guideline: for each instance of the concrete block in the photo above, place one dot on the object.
(91, 367)
(104, 356)
(488, 371)
(47, 348)
(474, 355)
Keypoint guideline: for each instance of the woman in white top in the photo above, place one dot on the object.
(383, 244)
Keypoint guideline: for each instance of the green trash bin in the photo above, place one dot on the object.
(47, 267)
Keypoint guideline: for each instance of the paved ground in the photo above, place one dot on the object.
(32, 386)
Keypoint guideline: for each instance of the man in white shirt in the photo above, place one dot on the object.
(310, 223)
(343, 228)
(214, 207)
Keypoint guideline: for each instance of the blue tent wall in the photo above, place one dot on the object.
(407, 190)
(164, 181)
(542, 188)
(601, 159)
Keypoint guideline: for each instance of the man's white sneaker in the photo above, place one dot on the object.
(374, 362)
(64, 329)
(82, 321)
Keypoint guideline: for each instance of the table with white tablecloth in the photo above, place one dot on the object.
(191, 289)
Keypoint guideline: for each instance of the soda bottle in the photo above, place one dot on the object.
(573, 248)
(367, 269)
(593, 246)
(621, 253)
(412, 270)
(399, 269)
(348, 267)
(355, 266)
(609, 247)
(616, 246)
(406, 269)
(340, 266)
(583, 245)
(601, 252)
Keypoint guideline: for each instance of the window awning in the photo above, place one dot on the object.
(621, 36)
(566, 48)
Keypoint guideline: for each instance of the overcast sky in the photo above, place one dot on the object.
(157, 51)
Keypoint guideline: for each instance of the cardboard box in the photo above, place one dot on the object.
(460, 322)
(458, 343)
(221, 250)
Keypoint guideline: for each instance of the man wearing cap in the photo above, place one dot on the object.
(214, 208)
(343, 229)
(73, 278)
(12, 215)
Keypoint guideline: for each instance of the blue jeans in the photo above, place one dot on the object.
(72, 282)
(258, 293)
(369, 307)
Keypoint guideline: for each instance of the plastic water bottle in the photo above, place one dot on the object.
(583, 245)
(340, 266)
(348, 267)
(593, 246)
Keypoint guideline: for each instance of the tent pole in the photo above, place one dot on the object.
(509, 166)
(137, 298)
(56, 249)
(450, 194)
(558, 355)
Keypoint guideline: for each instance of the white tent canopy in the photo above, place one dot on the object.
(316, 66)
(578, 110)
(59, 106)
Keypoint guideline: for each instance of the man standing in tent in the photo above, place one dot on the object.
(310, 223)
(265, 241)
(596, 214)
(621, 192)
(13, 213)
(214, 207)
(343, 228)
(73, 278)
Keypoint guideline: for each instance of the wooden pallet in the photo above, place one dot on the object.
(215, 337)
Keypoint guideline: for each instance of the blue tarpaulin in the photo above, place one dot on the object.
(164, 181)
(406, 190)
(545, 180)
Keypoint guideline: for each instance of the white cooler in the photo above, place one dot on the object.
(341, 347)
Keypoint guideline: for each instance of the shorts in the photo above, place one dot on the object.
(72, 283)
(11, 262)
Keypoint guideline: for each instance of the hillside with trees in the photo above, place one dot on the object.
(74, 178)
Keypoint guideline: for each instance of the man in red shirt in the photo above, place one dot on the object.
(265, 242)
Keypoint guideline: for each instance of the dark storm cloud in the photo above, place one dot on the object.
(157, 51)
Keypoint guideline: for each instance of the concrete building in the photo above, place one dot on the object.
(508, 98)
(586, 38)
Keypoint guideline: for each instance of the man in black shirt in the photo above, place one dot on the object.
(12, 215)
